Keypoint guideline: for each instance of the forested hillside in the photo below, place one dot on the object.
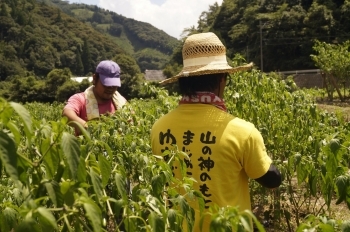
(41, 47)
(282, 33)
(288, 29)
(150, 46)
(38, 38)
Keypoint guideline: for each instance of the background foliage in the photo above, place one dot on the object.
(286, 30)
(108, 179)
(37, 37)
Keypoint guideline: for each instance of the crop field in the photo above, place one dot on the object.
(108, 179)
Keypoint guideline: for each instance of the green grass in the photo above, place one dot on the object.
(83, 14)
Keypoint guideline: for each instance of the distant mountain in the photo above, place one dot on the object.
(151, 47)
(37, 37)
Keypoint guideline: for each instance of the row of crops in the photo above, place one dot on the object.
(109, 180)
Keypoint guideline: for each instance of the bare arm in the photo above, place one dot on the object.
(72, 116)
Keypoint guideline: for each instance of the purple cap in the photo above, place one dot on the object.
(109, 72)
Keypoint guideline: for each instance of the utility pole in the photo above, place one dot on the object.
(261, 51)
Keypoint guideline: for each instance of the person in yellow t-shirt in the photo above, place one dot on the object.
(224, 151)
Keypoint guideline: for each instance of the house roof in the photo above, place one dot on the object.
(154, 75)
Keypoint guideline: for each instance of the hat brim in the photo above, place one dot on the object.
(204, 70)
(110, 81)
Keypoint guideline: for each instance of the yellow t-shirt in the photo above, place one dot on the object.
(224, 152)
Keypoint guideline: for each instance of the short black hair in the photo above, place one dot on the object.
(188, 86)
(97, 76)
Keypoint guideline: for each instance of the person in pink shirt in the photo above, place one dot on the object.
(100, 98)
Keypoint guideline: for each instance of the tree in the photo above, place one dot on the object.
(319, 20)
(27, 89)
(334, 60)
(207, 18)
(115, 29)
(66, 90)
(59, 17)
(54, 80)
(3, 10)
(9, 68)
(97, 17)
(21, 18)
(131, 78)
(79, 67)
(86, 58)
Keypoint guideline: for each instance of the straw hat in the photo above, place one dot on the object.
(204, 54)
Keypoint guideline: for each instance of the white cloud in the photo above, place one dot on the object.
(172, 16)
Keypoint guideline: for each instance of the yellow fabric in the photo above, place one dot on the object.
(222, 165)
(92, 105)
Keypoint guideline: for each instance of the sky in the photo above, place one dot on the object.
(171, 16)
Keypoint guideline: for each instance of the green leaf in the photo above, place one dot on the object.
(200, 200)
(297, 158)
(345, 227)
(51, 160)
(22, 168)
(326, 228)
(46, 218)
(60, 170)
(71, 149)
(15, 132)
(105, 168)
(3, 223)
(131, 224)
(342, 183)
(67, 190)
(156, 222)
(157, 183)
(8, 155)
(121, 186)
(82, 130)
(154, 204)
(28, 224)
(94, 215)
(187, 211)
(78, 227)
(312, 183)
(334, 145)
(107, 149)
(81, 175)
(118, 206)
(9, 217)
(25, 116)
(52, 189)
(258, 225)
(246, 222)
(175, 220)
(6, 111)
(216, 225)
(96, 183)
(302, 172)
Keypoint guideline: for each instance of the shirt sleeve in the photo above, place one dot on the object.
(75, 103)
(256, 161)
